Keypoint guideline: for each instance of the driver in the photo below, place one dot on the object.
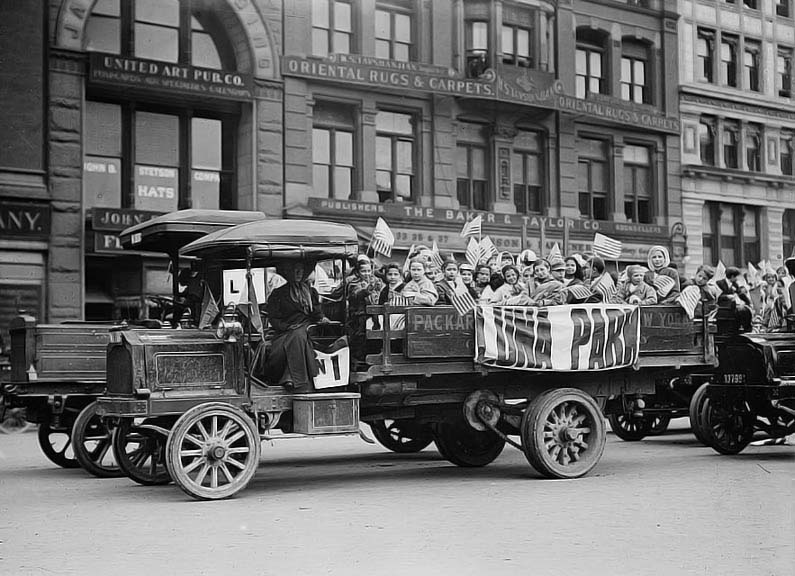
(291, 308)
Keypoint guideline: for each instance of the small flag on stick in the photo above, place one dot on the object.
(554, 253)
(210, 309)
(473, 252)
(383, 238)
(472, 228)
(689, 299)
(663, 284)
(462, 300)
(436, 258)
(720, 272)
(605, 287)
(606, 247)
(487, 248)
(579, 293)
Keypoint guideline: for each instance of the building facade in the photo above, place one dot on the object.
(738, 130)
(552, 119)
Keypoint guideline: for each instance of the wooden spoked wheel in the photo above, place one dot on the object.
(728, 424)
(213, 451)
(659, 424)
(141, 450)
(629, 427)
(694, 411)
(464, 446)
(401, 436)
(563, 433)
(56, 440)
(92, 444)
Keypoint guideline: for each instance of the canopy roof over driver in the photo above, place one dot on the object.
(170, 232)
(277, 239)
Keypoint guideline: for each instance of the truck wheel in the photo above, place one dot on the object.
(464, 446)
(213, 451)
(728, 425)
(694, 411)
(563, 433)
(401, 436)
(141, 452)
(630, 428)
(659, 424)
(56, 443)
(91, 442)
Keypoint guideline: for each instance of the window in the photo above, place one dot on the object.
(752, 4)
(633, 73)
(637, 184)
(477, 47)
(472, 184)
(516, 42)
(787, 151)
(592, 180)
(393, 32)
(333, 166)
(728, 60)
(751, 53)
(150, 176)
(332, 27)
(527, 165)
(705, 49)
(731, 130)
(782, 9)
(589, 64)
(730, 234)
(163, 30)
(706, 141)
(788, 230)
(394, 156)
(753, 151)
(784, 72)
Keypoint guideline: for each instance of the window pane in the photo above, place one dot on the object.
(480, 36)
(403, 187)
(507, 40)
(342, 43)
(462, 162)
(517, 169)
(596, 64)
(382, 24)
(640, 72)
(342, 183)
(106, 7)
(382, 49)
(156, 188)
(583, 173)
(393, 122)
(342, 16)
(156, 139)
(478, 164)
(383, 180)
(626, 70)
(164, 12)
(727, 221)
(319, 42)
(203, 51)
(103, 129)
(581, 64)
(103, 34)
(102, 182)
(344, 148)
(749, 222)
(598, 177)
(206, 143)
(403, 28)
(383, 153)
(706, 220)
(599, 208)
(405, 160)
(321, 146)
(522, 42)
(205, 189)
(533, 169)
(320, 10)
(320, 183)
(401, 52)
(156, 42)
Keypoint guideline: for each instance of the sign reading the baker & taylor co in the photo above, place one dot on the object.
(148, 74)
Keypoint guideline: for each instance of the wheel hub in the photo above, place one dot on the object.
(216, 453)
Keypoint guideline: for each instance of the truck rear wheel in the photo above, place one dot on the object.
(213, 451)
(694, 411)
(563, 433)
(92, 444)
(629, 427)
(401, 436)
(464, 446)
(56, 443)
(141, 451)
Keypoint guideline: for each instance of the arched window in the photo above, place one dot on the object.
(178, 31)
(635, 85)
(591, 60)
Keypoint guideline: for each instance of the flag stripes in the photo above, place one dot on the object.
(463, 302)
(663, 284)
(689, 299)
(606, 247)
(472, 228)
(383, 239)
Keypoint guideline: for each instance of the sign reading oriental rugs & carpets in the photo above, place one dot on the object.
(558, 338)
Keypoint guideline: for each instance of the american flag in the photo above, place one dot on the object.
(606, 247)
(720, 272)
(554, 253)
(436, 258)
(774, 322)
(400, 300)
(383, 239)
(605, 287)
(473, 252)
(689, 299)
(579, 292)
(487, 248)
(462, 301)
(472, 228)
(210, 309)
(663, 284)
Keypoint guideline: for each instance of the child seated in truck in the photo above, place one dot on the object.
(635, 291)
(419, 289)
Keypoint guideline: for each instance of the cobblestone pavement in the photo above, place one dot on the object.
(337, 506)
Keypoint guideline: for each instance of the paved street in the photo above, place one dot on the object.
(339, 506)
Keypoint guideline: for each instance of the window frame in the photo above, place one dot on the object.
(393, 10)
(753, 154)
(636, 198)
(784, 78)
(706, 152)
(470, 180)
(515, 29)
(589, 50)
(787, 161)
(728, 67)
(591, 193)
(707, 58)
(751, 79)
(731, 150)
(395, 138)
(332, 29)
(523, 153)
(744, 249)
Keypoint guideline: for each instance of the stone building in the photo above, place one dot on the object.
(738, 130)
(552, 119)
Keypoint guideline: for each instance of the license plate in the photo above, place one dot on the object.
(734, 378)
